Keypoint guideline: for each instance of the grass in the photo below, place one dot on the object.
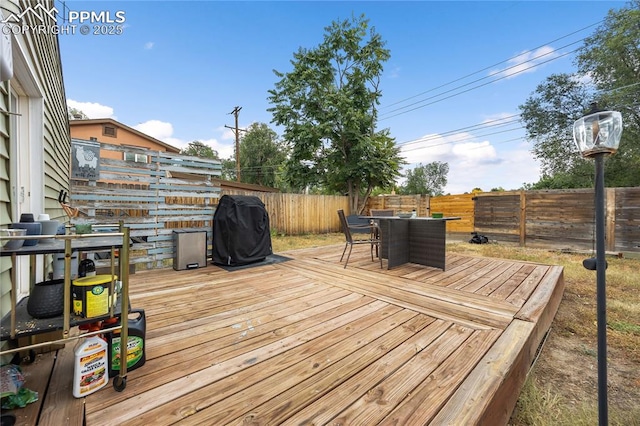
(562, 386)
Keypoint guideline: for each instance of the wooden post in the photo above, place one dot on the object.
(523, 218)
(610, 203)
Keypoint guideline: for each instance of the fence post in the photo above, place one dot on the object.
(610, 200)
(523, 218)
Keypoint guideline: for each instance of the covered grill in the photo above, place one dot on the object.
(241, 232)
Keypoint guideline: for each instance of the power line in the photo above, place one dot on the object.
(481, 126)
(494, 65)
(470, 89)
(460, 140)
(487, 124)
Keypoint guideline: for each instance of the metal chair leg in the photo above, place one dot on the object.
(349, 255)
(344, 251)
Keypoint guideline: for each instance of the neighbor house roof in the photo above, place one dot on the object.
(111, 121)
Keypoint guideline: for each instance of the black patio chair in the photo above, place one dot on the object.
(381, 212)
(361, 224)
(372, 237)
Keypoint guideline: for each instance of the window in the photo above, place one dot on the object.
(110, 131)
(137, 158)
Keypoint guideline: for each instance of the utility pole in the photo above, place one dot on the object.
(236, 131)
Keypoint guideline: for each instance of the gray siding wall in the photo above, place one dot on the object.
(5, 210)
(43, 54)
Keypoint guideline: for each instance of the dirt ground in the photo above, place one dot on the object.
(567, 368)
(571, 369)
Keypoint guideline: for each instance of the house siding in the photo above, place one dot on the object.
(5, 206)
(42, 53)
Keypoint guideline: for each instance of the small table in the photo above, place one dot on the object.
(420, 240)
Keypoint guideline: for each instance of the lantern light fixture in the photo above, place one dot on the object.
(598, 132)
(597, 135)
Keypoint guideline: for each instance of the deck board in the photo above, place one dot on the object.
(59, 405)
(37, 377)
(309, 342)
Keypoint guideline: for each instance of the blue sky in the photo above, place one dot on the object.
(180, 67)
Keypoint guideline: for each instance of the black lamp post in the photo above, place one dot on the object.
(598, 135)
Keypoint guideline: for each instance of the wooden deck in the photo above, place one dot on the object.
(308, 342)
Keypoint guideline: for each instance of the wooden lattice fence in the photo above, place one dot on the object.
(169, 192)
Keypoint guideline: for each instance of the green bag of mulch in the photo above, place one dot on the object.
(12, 393)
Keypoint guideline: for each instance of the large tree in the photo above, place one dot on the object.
(548, 116)
(327, 105)
(261, 155)
(199, 149)
(611, 57)
(608, 74)
(430, 179)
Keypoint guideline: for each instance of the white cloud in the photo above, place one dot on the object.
(149, 45)
(161, 130)
(435, 147)
(586, 79)
(473, 163)
(395, 72)
(227, 133)
(224, 150)
(92, 109)
(526, 62)
(164, 131)
(474, 152)
(500, 118)
(156, 128)
(178, 143)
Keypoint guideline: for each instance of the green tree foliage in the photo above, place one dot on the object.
(548, 116)
(229, 168)
(611, 57)
(76, 114)
(428, 179)
(611, 60)
(199, 149)
(327, 105)
(262, 156)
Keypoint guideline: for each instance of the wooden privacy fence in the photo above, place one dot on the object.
(559, 218)
(400, 203)
(295, 214)
(424, 205)
(562, 218)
